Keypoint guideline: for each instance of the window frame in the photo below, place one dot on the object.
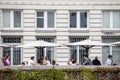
(12, 48)
(11, 27)
(110, 47)
(53, 55)
(111, 27)
(80, 38)
(78, 27)
(45, 27)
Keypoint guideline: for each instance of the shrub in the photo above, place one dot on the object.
(99, 73)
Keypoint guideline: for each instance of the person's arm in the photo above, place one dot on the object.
(108, 62)
(99, 62)
(68, 62)
(34, 63)
(44, 62)
(93, 62)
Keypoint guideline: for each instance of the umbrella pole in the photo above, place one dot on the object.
(43, 55)
(87, 51)
(41, 49)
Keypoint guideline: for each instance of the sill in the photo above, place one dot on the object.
(45, 30)
(111, 30)
(78, 30)
(12, 29)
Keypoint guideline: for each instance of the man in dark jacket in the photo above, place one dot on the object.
(96, 61)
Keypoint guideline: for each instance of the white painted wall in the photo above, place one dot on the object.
(62, 31)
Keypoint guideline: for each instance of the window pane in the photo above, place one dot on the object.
(50, 19)
(83, 19)
(40, 19)
(116, 19)
(105, 53)
(116, 54)
(73, 21)
(16, 56)
(73, 53)
(40, 14)
(40, 22)
(106, 19)
(17, 18)
(106, 49)
(6, 19)
(10, 39)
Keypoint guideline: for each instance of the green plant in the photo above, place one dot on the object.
(99, 73)
(87, 74)
(47, 74)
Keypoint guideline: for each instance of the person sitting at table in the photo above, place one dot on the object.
(46, 61)
(54, 63)
(70, 61)
(87, 61)
(31, 62)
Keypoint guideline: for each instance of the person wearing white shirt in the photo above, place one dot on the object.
(31, 62)
(109, 61)
(46, 61)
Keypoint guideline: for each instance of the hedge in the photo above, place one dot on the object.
(99, 73)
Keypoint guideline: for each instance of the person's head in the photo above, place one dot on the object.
(110, 56)
(114, 64)
(53, 62)
(22, 63)
(32, 58)
(71, 59)
(85, 57)
(96, 57)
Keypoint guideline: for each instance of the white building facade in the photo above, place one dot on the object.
(59, 21)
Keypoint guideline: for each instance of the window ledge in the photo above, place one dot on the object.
(45, 30)
(79, 30)
(111, 30)
(20, 29)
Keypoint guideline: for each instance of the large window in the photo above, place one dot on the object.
(11, 18)
(49, 51)
(45, 19)
(77, 52)
(111, 20)
(78, 19)
(14, 52)
(111, 50)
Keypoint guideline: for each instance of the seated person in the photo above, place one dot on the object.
(31, 62)
(46, 61)
(54, 62)
(87, 61)
(71, 61)
(22, 64)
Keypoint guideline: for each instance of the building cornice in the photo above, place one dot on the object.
(60, 2)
